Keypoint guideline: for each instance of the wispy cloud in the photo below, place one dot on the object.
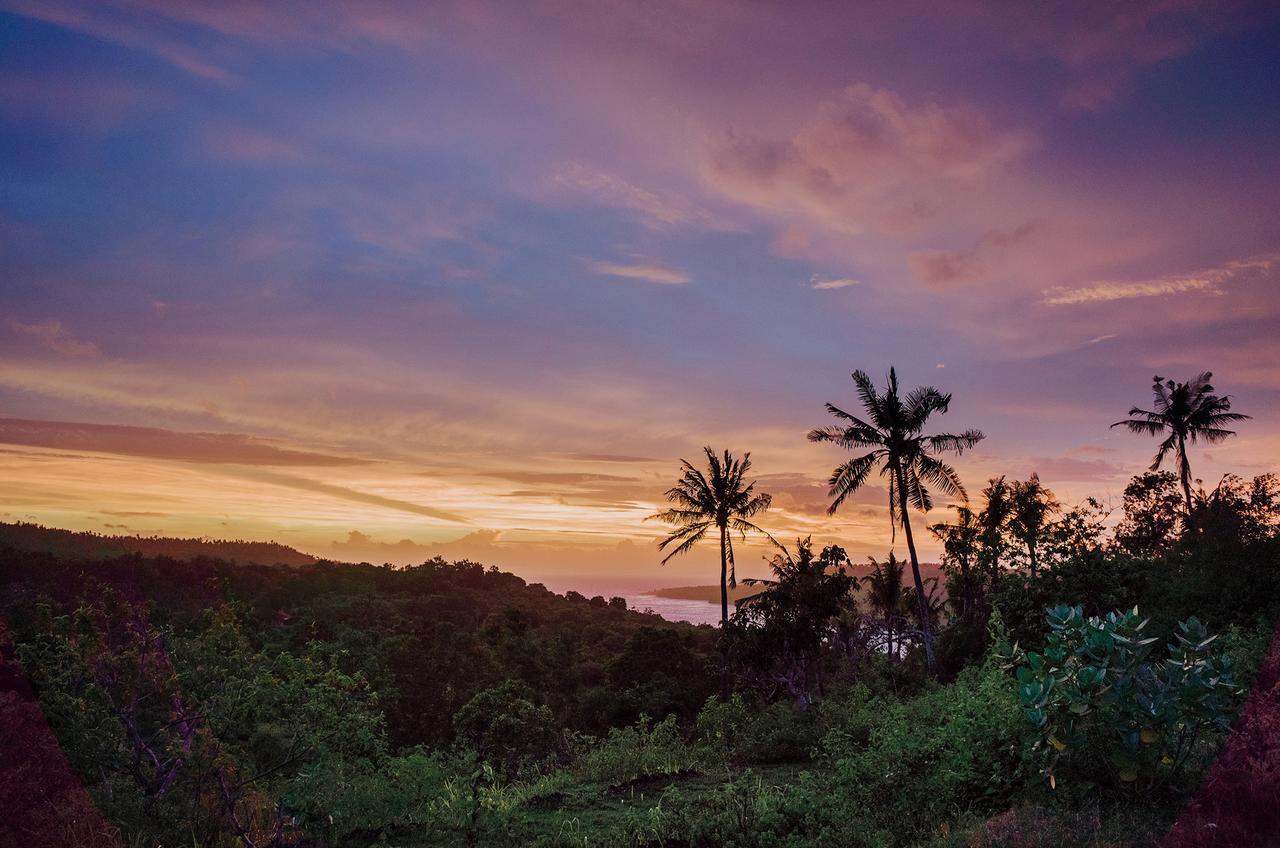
(824, 283)
(102, 22)
(1209, 281)
(347, 494)
(56, 337)
(656, 209)
(938, 268)
(647, 270)
(155, 443)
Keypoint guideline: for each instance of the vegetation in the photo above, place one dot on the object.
(894, 430)
(1185, 412)
(1071, 685)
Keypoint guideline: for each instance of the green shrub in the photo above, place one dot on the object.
(779, 732)
(640, 750)
(1100, 704)
(908, 767)
(418, 791)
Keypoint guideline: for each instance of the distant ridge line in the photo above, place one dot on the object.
(72, 544)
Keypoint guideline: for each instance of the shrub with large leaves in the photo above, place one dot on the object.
(1105, 709)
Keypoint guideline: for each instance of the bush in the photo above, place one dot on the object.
(777, 733)
(908, 766)
(418, 791)
(1100, 704)
(641, 750)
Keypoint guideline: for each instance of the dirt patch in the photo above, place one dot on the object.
(1239, 802)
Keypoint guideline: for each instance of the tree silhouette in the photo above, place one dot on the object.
(886, 595)
(894, 432)
(998, 506)
(1031, 504)
(960, 545)
(721, 499)
(1183, 412)
(781, 633)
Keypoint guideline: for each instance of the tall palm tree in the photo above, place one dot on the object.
(1185, 412)
(718, 499)
(1031, 504)
(894, 431)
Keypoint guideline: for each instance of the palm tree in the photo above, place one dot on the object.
(1030, 506)
(935, 601)
(885, 594)
(720, 499)
(960, 545)
(1186, 412)
(994, 520)
(895, 433)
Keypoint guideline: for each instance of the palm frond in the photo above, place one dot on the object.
(849, 477)
(955, 443)
(687, 538)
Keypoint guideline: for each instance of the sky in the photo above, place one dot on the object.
(383, 281)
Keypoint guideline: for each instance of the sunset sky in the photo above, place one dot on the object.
(470, 278)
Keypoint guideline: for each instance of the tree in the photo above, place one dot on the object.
(508, 728)
(1151, 507)
(934, 601)
(998, 506)
(959, 546)
(1031, 504)
(894, 432)
(720, 499)
(781, 632)
(1183, 412)
(887, 595)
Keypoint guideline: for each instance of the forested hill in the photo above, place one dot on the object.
(426, 638)
(70, 545)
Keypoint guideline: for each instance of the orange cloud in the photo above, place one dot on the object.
(649, 271)
(1209, 281)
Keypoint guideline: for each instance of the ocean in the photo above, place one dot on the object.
(676, 609)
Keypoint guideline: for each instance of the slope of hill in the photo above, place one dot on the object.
(70, 545)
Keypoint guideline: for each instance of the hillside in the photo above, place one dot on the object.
(71, 545)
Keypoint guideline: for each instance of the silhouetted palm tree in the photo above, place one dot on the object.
(907, 457)
(960, 545)
(935, 601)
(720, 499)
(994, 519)
(1030, 505)
(1185, 412)
(886, 594)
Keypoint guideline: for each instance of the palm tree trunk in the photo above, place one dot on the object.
(922, 603)
(1184, 473)
(1031, 553)
(724, 614)
(724, 578)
